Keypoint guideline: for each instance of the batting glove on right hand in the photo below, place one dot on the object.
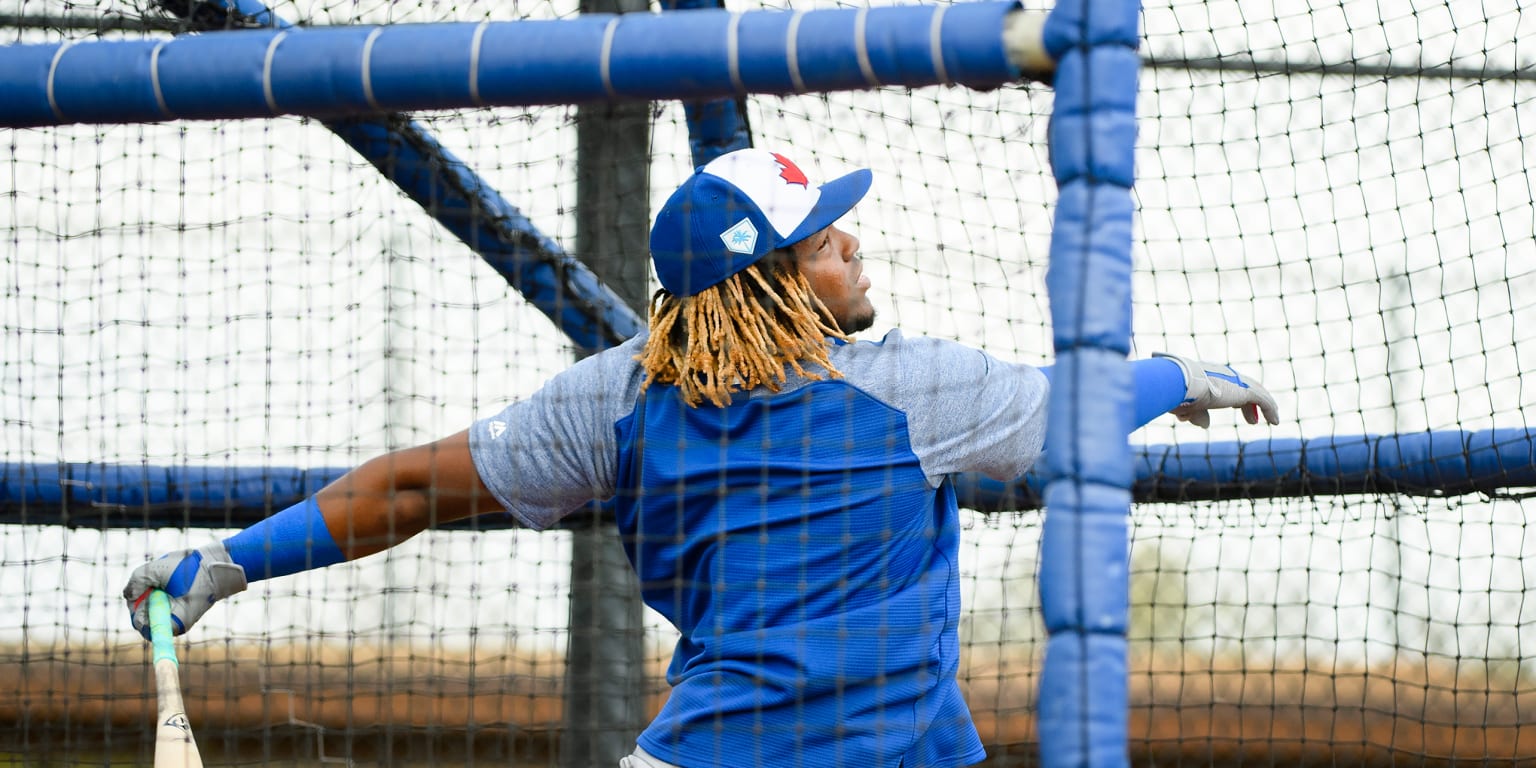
(194, 579)
(1214, 385)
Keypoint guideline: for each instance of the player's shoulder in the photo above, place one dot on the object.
(616, 358)
(896, 342)
(900, 352)
(905, 371)
(612, 374)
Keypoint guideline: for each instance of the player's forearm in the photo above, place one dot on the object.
(374, 507)
(1159, 386)
(367, 510)
(363, 512)
(395, 496)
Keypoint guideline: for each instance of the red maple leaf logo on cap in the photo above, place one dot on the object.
(791, 173)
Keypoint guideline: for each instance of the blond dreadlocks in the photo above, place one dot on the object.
(743, 333)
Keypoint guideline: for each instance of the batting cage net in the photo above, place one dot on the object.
(1334, 198)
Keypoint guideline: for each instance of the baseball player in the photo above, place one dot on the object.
(780, 488)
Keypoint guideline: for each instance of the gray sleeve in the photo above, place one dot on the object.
(545, 456)
(967, 411)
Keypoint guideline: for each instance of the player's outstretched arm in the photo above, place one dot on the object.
(371, 508)
(1189, 389)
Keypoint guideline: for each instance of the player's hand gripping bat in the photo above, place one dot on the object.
(174, 746)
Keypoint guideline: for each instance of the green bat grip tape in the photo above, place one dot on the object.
(160, 632)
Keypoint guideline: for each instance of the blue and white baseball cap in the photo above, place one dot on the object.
(737, 208)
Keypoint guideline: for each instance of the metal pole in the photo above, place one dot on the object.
(605, 674)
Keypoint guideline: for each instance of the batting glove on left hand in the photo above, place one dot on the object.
(1214, 385)
(194, 579)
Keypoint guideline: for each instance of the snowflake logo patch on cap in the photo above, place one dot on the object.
(740, 238)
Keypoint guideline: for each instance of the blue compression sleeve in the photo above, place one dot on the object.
(1160, 387)
(290, 541)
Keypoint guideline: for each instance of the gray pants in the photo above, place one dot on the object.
(643, 759)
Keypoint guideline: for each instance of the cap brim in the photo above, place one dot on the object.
(838, 197)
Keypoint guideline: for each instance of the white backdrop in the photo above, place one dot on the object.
(252, 293)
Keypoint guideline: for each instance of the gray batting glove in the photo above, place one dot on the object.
(194, 579)
(1214, 385)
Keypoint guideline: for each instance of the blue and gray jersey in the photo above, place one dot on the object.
(803, 542)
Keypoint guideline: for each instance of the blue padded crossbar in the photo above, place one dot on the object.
(338, 71)
(112, 495)
(1423, 464)
(1446, 463)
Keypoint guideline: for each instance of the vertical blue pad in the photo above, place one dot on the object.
(1083, 569)
(1092, 24)
(1072, 727)
(1101, 393)
(1089, 277)
(715, 127)
(1093, 125)
(1087, 593)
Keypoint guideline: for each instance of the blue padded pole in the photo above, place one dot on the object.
(560, 286)
(715, 126)
(1083, 709)
(340, 71)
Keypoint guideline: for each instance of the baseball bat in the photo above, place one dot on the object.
(174, 746)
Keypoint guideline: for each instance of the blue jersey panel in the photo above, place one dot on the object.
(814, 583)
